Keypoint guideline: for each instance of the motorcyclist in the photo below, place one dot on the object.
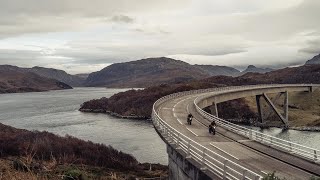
(212, 127)
(189, 118)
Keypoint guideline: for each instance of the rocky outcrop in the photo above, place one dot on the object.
(314, 60)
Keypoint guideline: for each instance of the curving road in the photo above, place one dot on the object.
(247, 153)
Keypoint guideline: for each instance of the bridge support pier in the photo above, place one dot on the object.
(180, 168)
(283, 118)
(214, 109)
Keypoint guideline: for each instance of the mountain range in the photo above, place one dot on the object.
(147, 72)
(155, 71)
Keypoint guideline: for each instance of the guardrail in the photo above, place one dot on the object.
(208, 159)
(287, 146)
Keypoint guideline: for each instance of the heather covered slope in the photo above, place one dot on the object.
(13, 80)
(42, 155)
(44, 145)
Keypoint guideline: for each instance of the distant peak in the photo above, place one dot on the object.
(314, 60)
(251, 66)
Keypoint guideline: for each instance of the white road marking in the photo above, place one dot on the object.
(165, 108)
(200, 123)
(175, 115)
(182, 101)
(192, 132)
(264, 172)
(179, 120)
(245, 140)
(223, 151)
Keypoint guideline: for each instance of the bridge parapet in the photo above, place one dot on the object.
(206, 159)
(295, 149)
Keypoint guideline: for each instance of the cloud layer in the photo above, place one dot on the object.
(82, 36)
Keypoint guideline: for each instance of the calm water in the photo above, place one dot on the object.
(310, 139)
(57, 112)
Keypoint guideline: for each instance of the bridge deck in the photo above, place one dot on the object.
(252, 155)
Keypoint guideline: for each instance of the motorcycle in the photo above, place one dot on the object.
(189, 120)
(212, 129)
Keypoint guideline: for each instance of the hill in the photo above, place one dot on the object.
(145, 73)
(154, 71)
(254, 69)
(59, 75)
(293, 75)
(314, 60)
(218, 70)
(14, 79)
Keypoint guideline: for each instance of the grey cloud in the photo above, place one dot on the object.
(34, 16)
(313, 47)
(26, 58)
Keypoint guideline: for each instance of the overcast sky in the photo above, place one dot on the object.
(82, 36)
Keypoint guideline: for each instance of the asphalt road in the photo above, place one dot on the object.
(252, 155)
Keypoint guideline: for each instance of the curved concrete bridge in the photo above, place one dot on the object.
(235, 152)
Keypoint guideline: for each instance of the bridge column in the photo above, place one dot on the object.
(286, 106)
(214, 109)
(258, 100)
(284, 118)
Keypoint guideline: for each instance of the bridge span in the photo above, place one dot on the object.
(235, 152)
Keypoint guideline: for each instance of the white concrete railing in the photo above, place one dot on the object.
(208, 159)
(287, 146)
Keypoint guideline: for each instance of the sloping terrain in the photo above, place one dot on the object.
(42, 155)
(314, 60)
(13, 80)
(59, 75)
(218, 70)
(145, 73)
(254, 69)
